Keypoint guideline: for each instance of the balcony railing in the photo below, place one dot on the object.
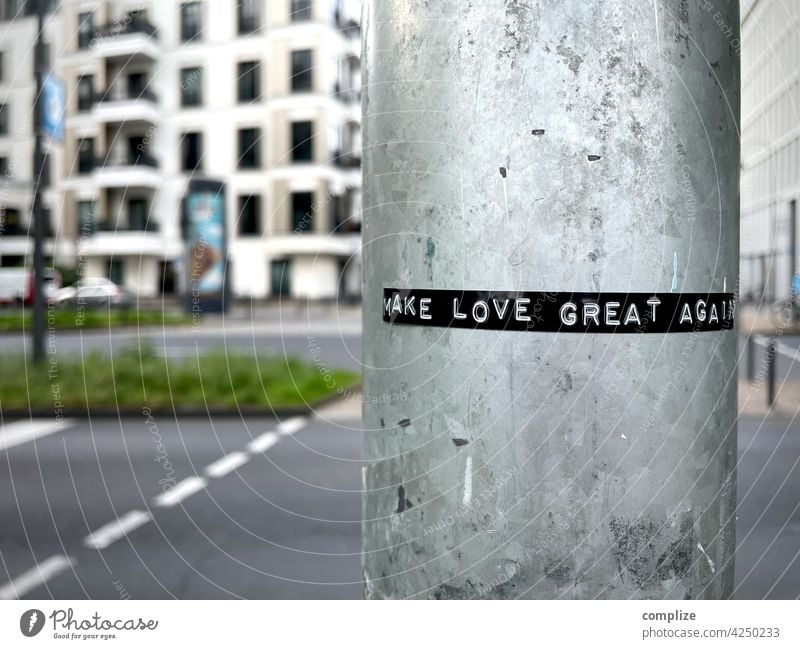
(108, 226)
(349, 160)
(126, 161)
(125, 26)
(115, 94)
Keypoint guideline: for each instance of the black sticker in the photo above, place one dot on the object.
(596, 313)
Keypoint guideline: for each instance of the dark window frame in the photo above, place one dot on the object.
(249, 215)
(85, 29)
(86, 160)
(249, 148)
(248, 81)
(186, 165)
(248, 22)
(302, 141)
(303, 213)
(191, 21)
(191, 86)
(85, 103)
(302, 70)
(4, 119)
(301, 11)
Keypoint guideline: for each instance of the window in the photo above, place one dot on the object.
(115, 271)
(302, 10)
(86, 225)
(249, 148)
(249, 215)
(280, 274)
(302, 70)
(248, 79)
(302, 142)
(3, 119)
(191, 21)
(249, 18)
(85, 92)
(192, 151)
(302, 212)
(137, 214)
(191, 87)
(85, 155)
(85, 29)
(4, 170)
(2, 66)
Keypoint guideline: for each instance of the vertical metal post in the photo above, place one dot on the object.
(37, 214)
(549, 146)
(772, 359)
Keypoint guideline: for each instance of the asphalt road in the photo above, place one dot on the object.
(280, 520)
(326, 337)
(282, 524)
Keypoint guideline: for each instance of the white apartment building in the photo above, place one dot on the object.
(17, 93)
(262, 95)
(770, 147)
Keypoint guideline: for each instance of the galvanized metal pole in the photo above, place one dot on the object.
(558, 147)
(37, 214)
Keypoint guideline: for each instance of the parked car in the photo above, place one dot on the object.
(16, 285)
(94, 291)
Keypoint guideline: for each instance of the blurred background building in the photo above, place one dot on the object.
(770, 147)
(262, 95)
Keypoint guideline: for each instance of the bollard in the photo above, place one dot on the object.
(772, 359)
(551, 218)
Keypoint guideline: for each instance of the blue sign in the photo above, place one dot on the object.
(52, 117)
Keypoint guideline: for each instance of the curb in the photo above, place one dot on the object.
(192, 411)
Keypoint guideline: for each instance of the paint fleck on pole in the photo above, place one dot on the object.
(591, 457)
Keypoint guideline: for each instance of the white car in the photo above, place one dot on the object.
(94, 291)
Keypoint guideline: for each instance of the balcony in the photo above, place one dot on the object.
(349, 160)
(131, 171)
(131, 38)
(114, 106)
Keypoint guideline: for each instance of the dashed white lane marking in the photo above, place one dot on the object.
(225, 465)
(39, 574)
(180, 491)
(291, 426)
(263, 442)
(19, 432)
(115, 530)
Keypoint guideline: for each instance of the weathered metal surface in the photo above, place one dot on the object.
(565, 145)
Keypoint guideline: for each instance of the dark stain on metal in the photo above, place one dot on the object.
(403, 503)
(593, 158)
(460, 442)
(503, 172)
(537, 131)
(404, 423)
(383, 423)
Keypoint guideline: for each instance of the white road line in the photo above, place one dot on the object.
(225, 465)
(263, 442)
(180, 491)
(19, 432)
(34, 577)
(291, 426)
(115, 530)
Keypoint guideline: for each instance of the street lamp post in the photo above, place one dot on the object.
(39, 232)
(550, 210)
